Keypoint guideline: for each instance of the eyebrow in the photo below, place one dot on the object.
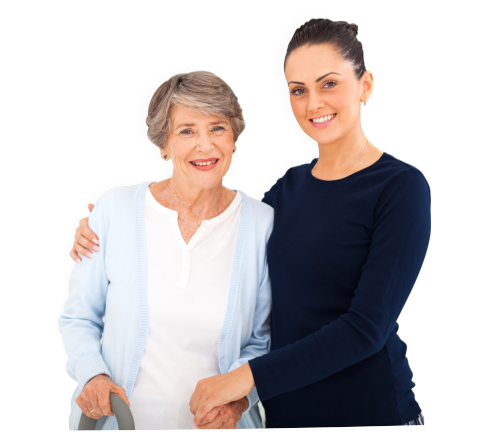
(192, 124)
(319, 79)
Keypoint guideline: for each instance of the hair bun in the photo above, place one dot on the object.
(354, 28)
(351, 26)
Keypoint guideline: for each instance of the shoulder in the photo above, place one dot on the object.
(123, 194)
(261, 214)
(290, 178)
(261, 210)
(404, 177)
(118, 201)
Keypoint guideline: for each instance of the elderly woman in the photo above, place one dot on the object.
(350, 234)
(179, 289)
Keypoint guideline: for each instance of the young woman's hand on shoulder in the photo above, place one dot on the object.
(84, 240)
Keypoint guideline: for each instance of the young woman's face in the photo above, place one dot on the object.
(325, 92)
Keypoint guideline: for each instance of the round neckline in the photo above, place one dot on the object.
(204, 223)
(350, 177)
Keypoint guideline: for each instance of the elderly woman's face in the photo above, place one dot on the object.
(200, 147)
(325, 93)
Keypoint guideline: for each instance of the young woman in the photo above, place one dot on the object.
(351, 230)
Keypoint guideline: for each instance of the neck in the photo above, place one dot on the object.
(337, 156)
(190, 200)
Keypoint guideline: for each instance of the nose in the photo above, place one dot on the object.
(204, 143)
(315, 102)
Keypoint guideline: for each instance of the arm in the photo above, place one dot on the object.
(237, 383)
(81, 324)
(259, 342)
(399, 241)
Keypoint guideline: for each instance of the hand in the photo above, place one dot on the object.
(96, 396)
(226, 416)
(84, 240)
(220, 390)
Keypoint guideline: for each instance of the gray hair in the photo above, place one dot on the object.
(199, 91)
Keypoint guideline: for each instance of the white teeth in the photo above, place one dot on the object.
(203, 163)
(324, 119)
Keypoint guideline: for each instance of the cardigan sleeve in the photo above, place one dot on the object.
(259, 342)
(81, 324)
(399, 241)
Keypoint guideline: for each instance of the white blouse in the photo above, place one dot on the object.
(187, 293)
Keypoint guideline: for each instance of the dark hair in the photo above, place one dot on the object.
(340, 34)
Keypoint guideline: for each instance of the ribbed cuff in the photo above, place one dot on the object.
(253, 399)
(88, 366)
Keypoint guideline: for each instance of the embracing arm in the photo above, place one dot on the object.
(81, 324)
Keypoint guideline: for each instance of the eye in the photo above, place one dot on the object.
(186, 132)
(218, 128)
(324, 86)
(296, 94)
(329, 84)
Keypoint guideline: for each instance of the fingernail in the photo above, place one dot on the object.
(96, 248)
(95, 241)
(194, 425)
(90, 255)
(78, 261)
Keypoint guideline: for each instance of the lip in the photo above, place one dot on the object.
(210, 159)
(324, 124)
(207, 167)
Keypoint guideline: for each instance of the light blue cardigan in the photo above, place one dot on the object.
(108, 297)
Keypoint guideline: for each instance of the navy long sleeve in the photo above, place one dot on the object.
(343, 258)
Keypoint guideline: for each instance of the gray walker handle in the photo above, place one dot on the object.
(121, 411)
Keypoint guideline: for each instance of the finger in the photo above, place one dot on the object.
(217, 424)
(82, 251)
(89, 245)
(82, 406)
(85, 405)
(90, 207)
(211, 416)
(84, 230)
(202, 411)
(120, 392)
(104, 402)
(96, 413)
(75, 256)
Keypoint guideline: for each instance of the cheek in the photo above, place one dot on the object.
(300, 110)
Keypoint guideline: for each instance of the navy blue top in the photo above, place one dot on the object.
(343, 257)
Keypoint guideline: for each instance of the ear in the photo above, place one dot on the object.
(367, 85)
(164, 154)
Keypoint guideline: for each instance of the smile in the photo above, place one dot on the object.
(204, 165)
(323, 120)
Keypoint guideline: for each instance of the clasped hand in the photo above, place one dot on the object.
(225, 416)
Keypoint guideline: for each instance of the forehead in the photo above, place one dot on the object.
(308, 63)
(183, 115)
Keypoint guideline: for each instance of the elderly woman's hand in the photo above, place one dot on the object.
(84, 240)
(225, 416)
(94, 399)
